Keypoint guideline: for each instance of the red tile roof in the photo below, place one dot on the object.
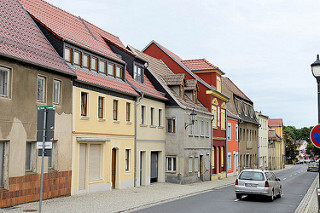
(69, 27)
(20, 38)
(275, 122)
(234, 89)
(146, 87)
(199, 64)
(104, 81)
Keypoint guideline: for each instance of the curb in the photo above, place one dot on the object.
(304, 205)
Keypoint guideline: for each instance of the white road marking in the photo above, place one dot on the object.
(284, 178)
(236, 200)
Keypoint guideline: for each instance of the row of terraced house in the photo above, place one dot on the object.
(123, 117)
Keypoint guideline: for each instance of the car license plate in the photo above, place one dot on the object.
(250, 185)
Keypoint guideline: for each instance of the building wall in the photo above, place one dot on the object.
(279, 131)
(18, 125)
(232, 147)
(150, 138)
(109, 134)
(263, 141)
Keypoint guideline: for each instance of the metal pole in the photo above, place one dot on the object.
(43, 146)
(318, 84)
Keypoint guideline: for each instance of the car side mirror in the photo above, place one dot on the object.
(277, 179)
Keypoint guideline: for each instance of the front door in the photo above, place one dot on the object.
(234, 163)
(202, 169)
(114, 167)
(154, 167)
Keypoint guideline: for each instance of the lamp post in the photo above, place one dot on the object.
(193, 118)
(315, 69)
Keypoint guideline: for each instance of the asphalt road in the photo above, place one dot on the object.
(295, 183)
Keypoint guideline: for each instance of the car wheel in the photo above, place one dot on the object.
(271, 198)
(238, 196)
(280, 193)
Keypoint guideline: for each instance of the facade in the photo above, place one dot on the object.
(103, 128)
(31, 74)
(188, 146)
(208, 77)
(277, 125)
(263, 140)
(232, 143)
(274, 150)
(150, 120)
(242, 106)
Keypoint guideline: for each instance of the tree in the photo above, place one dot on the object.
(291, 147)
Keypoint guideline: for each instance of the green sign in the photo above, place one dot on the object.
(41, 108)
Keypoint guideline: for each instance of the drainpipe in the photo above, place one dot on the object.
(211, 138)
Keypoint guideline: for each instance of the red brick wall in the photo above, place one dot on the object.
(26, 188)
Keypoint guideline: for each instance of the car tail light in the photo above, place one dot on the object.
(236, 182)
(266, 184)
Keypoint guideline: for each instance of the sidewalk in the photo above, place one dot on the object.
(125, 199)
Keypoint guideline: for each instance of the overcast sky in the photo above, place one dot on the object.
(264, 47)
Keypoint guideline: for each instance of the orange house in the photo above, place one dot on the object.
(232, 143)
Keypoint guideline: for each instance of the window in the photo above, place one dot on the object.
(127, 160)
(41, 89)
(229, 161)
(77, 57)
(95, 162)
(84, 104)
(202, 128)
(237, 132)
(143, 114)
(212, 157)
(4, 81)
(128, 107)
(214, 112)
(138, 73)
(223, 119)
(100, 106)
(102, 66)
(222, 157)
(190, 163)
(151, 116)
(111, 69)
(218, 84)
(171, 164)
(229, 131)
(56, 91)
(115, 110)
(196, 128)
(207, 129)
(171, 125)
(86, 61)
(196, 163)
(119, 72)
(2, 163)
(68, 54)
(160, 117)
(190, 127)
(29, 156)
(207, 163)
(51, 159)
(94, 63)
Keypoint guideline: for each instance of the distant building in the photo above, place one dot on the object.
(274, 154)
(263, 140)
(277, 125)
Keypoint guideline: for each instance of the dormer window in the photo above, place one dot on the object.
(68, 54)
(86, 62)
(218, 84)
(194, 97)
(102, 66)
(181, 92)
(77, 57)
(94, 63)
(138, 73)
(119, 72)
(111, 69)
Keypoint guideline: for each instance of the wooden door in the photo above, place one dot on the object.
(114, 167)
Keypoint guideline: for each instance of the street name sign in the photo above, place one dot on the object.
(315, 136)
(47, 145)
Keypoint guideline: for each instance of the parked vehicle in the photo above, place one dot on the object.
(258, 182)
(299, 162)
(313, 167)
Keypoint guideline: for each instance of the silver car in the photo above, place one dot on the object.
(258, 182)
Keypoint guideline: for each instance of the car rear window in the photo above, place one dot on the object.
(246, 175)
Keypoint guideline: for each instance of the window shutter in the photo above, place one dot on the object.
(94, 161)
(82, 167)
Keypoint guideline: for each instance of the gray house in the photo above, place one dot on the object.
(188, 138)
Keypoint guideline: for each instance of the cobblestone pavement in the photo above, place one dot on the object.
(124, 199)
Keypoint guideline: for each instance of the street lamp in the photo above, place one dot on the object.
(193, 118)
(315, 68)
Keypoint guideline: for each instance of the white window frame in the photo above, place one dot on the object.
(56, 95)
(196, 128)
(207, 129)
(143, 115)
(190, 164)
(172, 164)
(5, 82)
(229, 160)
(196, 163)
(237, 132)
(127, 160)
(43, 100)
(202, 128)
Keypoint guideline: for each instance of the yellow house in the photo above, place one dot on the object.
(277, 125)
(274, 150)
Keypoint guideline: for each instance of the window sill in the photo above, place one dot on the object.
(143, 125)
(215, 128)
(190, 135)
(128, 172)
(207, 136)
(172, 172)
(153, 126)
(196, 135)
(202, 136)
(30, 173)
(116, 121)
(171, 132)
(129, 123)
(85, 118)
(160, 127)
(101, 119)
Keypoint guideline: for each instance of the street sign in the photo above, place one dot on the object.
(47, 152)
(315, 136)
(47, 145)
(41, 108)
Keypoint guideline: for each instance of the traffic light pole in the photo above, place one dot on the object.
(43, 148)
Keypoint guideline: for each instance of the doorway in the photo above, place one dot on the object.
(143, 168)
(82, 166)
(202, 169)
(154, 167)
(114, 167)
